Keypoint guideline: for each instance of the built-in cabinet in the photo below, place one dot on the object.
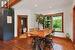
(6, 23)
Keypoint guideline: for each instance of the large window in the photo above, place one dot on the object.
(55, 21)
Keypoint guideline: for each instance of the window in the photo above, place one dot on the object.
(55, 22)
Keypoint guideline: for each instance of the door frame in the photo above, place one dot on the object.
(19, 23)
(74, 25)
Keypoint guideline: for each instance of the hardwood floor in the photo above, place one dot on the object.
(63, 44)
(25, 44)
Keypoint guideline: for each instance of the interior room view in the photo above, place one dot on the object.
(37, 24)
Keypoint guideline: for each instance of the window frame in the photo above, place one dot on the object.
(58, 14)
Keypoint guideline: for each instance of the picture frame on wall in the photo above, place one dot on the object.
(9, 19)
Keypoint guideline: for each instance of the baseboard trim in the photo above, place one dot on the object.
(59, 37)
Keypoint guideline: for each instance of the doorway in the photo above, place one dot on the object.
(22, 24)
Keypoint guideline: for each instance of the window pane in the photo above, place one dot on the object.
(57, 23)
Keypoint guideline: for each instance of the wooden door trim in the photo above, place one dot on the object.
(11, 3)
(18, 21)
(19, 16)
(73, 25)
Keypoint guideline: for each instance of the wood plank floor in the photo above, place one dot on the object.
(25, 44)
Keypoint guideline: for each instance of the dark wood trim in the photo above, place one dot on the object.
(59, 37)
(73, 25)
(10, 3)
(18, 26)
(62, 22)
(56, 14)
(19, 23)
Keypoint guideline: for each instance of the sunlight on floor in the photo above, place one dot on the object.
(59, 34)
(57, 47)
(23, 36)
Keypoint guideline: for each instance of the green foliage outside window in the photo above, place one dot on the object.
(57, 23)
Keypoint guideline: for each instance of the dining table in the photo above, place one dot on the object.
(40, 33)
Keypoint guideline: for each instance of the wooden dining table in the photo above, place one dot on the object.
(40, 33)
(39, 39)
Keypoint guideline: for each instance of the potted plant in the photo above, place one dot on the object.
(40, 19)
(67, 36)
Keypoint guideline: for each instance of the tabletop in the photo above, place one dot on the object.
(40, 33)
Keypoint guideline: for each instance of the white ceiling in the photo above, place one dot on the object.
(43, 4)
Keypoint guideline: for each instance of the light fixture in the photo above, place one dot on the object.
(50, 7)
(36, 5)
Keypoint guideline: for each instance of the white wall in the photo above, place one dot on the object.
(68, 21)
